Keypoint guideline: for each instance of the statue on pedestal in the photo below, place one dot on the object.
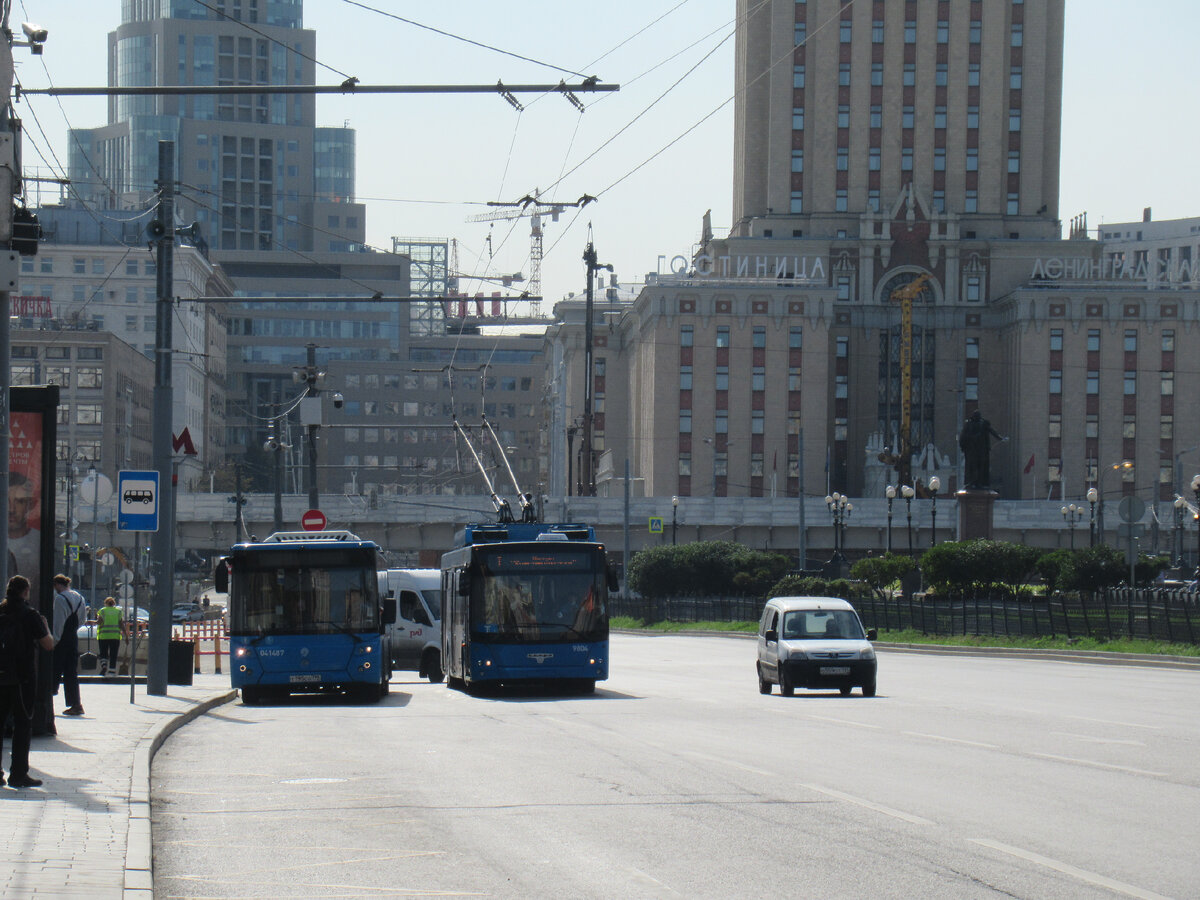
(975, 440)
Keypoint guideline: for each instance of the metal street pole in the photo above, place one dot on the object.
(163, 540)
(314, 499)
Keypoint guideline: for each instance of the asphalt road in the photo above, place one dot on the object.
(965, 777)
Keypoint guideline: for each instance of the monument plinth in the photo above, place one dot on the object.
(975, 513)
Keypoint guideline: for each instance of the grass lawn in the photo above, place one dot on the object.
(916, 637)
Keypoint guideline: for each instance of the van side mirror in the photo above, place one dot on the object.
(872, 634)
(389, 610)
(221, 575)
(772, 635)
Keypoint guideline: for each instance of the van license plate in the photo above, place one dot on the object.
(835, 670)
(306, 679)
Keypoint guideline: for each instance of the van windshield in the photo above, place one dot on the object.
(839, 624)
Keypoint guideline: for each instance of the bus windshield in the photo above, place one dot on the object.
(302, 599)
(534, 596)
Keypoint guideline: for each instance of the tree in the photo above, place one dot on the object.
(881, 572)
(704, 569)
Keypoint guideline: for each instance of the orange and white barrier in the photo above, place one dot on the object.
(210, 638)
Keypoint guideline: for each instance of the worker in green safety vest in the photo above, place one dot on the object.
(110, 629)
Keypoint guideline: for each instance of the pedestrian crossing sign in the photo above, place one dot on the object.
(656, 525)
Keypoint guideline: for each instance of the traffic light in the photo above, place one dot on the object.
(26, 231)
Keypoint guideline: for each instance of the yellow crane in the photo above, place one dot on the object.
(905, 295)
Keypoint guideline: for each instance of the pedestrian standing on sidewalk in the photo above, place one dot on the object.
(110, 628)
(21, 629)
(70, 611)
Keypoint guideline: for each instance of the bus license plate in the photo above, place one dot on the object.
(308, 679)
(835, 670)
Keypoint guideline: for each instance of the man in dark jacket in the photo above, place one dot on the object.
(70, 611)
(27, 629)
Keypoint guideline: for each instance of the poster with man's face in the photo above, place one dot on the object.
(25, 496)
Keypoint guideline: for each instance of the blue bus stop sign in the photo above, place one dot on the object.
(137, 501)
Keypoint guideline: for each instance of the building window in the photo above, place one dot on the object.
(939, 201)
(844, 74)
(939, 117)
(1014, 161)
(1014, 78)
(795, 337)
(721, 382)
(974, 289)
(1168, 340)
(972, 160)
(907, 117)
(797, 76)
(89, 414)
(1166, 427)
(721, 422)
(1131, 342)
(1056, 339)
(910, 74)
(939, 159)
(685, 335)
(906, 159)
(797, 160)
(943, 31)
(843, 116)
(1014, 204)
(1018, 34)
(844, 30)
(797, 202)
(971, 388)
(843, 287)
(972, 348)
(841, 387)
(841, 201)
(1093, 340)
(1130, 383)
(1093, 381)
(1055, 426)
(685, 464)
(756, 464)
(873, 199)
(876, 74)
(1129, 427)
(723, 336)
(801, 33)
(758, 337)
(757, 421)
(975, 33)
(1091, 427)
(1014, 120)
(941, 75)
(874, 159)
(685, 421)
(685, 378)
(910, 32)
(842, 348)
(798, 118)
(840, 428)
(843, 159)
(1168, 384)
(972, 116)
(794, 378)
(972, 74)
(876, 116)
(758, 378)
(1055, 381)
(877, 31)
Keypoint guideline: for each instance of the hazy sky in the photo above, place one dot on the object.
(427, 163)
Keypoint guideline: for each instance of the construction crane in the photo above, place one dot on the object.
(905, 295)
(531, 206)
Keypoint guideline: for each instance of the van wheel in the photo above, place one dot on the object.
(786, 688)
(433, 668)
(846, 689)
(869, 689)
(764, 686)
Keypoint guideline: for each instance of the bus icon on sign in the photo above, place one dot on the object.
(132, 496)
(137, 492)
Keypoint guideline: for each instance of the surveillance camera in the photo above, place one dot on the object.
(36, 33)
(270, 444)
(338, 401)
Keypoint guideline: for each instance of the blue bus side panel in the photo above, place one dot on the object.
(306, 661)
(499, 662)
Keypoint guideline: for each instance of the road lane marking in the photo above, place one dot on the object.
(877, 807)
(1100, 765)
(1082, 874)
(1096, 740)
(938, 737)
(837, 721)
(1110, 722)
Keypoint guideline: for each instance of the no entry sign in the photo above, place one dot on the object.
(313, 520)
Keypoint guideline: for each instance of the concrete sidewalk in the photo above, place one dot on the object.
(85, 833)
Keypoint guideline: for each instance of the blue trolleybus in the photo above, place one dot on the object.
(305, 615)
(524, 601)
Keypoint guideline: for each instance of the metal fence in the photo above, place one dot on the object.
(1160, 615)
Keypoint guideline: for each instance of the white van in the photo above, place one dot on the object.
(814, 642)
(416, 636)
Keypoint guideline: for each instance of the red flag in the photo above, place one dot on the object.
(1029, 465)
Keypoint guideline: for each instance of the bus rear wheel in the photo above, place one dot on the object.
(433, 667)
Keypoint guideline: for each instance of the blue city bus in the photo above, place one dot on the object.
(305, 615)
(526, 602)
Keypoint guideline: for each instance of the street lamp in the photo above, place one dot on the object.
(1124, 464)
(1072, 514)
(935, 485)
(908, 492)
(890, 493)
(1181, 506)
(1196, 491)
(839, 507)
(1092, 496)
(674, 518)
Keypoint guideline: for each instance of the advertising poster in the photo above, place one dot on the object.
(25, 476)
